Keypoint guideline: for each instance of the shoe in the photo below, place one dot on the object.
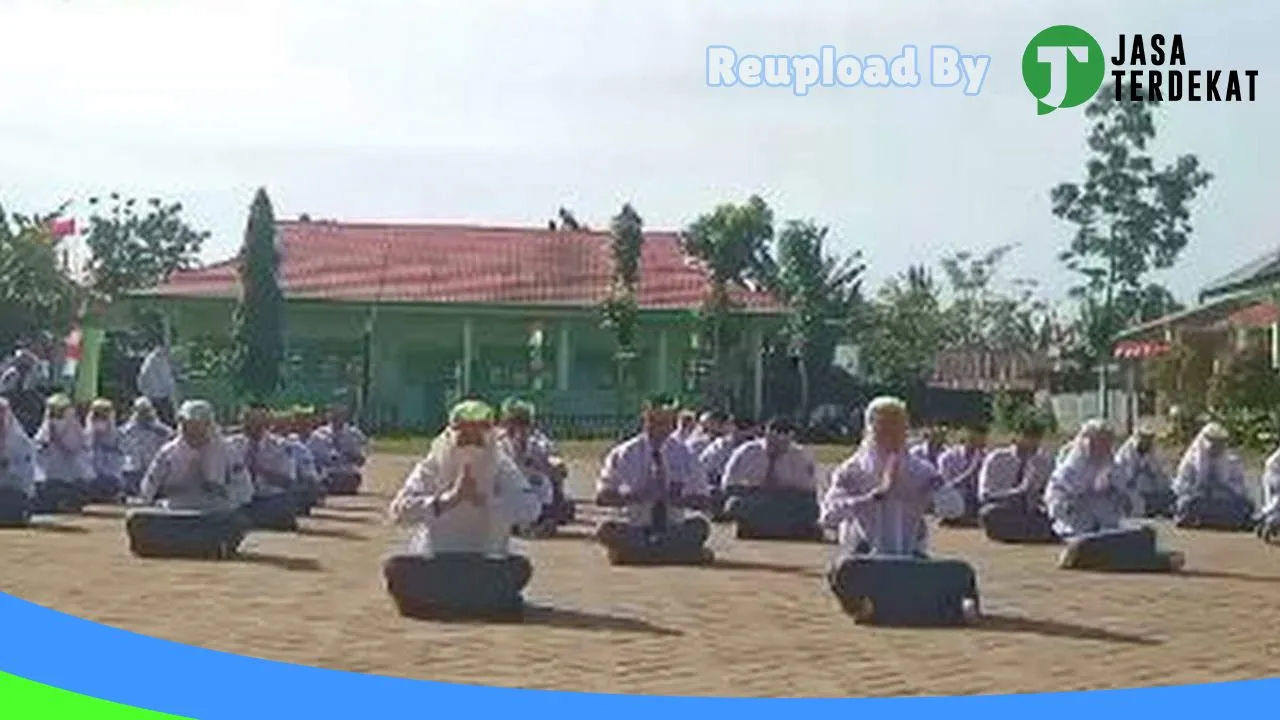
(1176, 561)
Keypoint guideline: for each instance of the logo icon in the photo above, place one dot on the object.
(1063, 67)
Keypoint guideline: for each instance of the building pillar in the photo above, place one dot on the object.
(468, 353)
(757, 357)
(664, 361)
(1275, 345)
(564, 355)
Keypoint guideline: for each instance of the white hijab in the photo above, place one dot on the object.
(16, 444)
(947, 503)
(1078, 471)
(1197, 459)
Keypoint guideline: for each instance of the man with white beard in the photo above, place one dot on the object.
(877, 499)
(198, 492)
(17, 470)
(63, 464)
(461, 503)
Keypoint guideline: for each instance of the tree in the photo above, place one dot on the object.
(568, 222)
(906, 330)
(135, 245)
(258, 337)
(620, 310)
(1131, 217)
(980, 317)
(35, 292)
(732, 242)
(822, 293)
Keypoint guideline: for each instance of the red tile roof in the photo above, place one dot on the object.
(429, 263)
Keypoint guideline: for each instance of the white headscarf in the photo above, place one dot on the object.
(1077, 470)
(214, 456)
(1198, 464)
(16, 443)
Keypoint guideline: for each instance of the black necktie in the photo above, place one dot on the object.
(659, 476)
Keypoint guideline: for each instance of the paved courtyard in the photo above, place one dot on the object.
(759, 623)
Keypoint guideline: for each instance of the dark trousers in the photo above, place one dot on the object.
(1215, 512)
(59, 497)
(1124, 550)
(160, 533)
(1160, 503)
(463, 584)
(969, 491)
(682, 542)
(1017, 520)
(562, 510)
(306, 497)
(343, 482)
(133, 482)
(103, 489)
(774, 514)
(1269, 530)
(15, 508)
(273, 512)
(911, 591)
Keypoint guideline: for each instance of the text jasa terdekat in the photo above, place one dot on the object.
(1151, 68)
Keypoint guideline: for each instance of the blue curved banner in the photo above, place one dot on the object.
(64, 652)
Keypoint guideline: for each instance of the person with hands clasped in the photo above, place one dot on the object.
(460, 504)
(655, 481)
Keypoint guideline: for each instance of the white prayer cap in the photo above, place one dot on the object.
(142, 403)
(196, 410)
(1145, 430)
(1095, 427)
(885, 405)
(1215, 431)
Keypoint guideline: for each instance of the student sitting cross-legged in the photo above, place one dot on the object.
(196, 492)
(1269, 516)
(1011, 489)
(1210, 484)
(141, 438)
(64, 467)
(461, 503)
(715, 458)
(265, 457)
(106, 454)
(17, 470)
(772, 485)
(1087, 508)
(877, 498)
(1139, 472)
(654, 480)
(961, 468)
(308, 490)
(339, 451)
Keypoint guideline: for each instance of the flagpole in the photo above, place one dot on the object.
(370, 328)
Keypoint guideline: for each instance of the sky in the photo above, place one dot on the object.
(500, 111)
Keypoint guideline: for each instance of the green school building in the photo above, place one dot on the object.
(410, 317)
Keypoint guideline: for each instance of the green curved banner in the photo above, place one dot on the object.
(26, 700)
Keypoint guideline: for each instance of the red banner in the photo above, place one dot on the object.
(1139, 349)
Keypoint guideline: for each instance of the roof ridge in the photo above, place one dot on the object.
(453, 225)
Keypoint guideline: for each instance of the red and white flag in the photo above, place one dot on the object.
(71, 349)
(62, 227)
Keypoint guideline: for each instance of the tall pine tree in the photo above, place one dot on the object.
(258, 336)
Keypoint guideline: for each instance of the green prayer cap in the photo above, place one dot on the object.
(514, 407)
(470, 411)
(662, 401)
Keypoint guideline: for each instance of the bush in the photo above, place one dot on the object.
(1010, 410)
(1245, 397)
